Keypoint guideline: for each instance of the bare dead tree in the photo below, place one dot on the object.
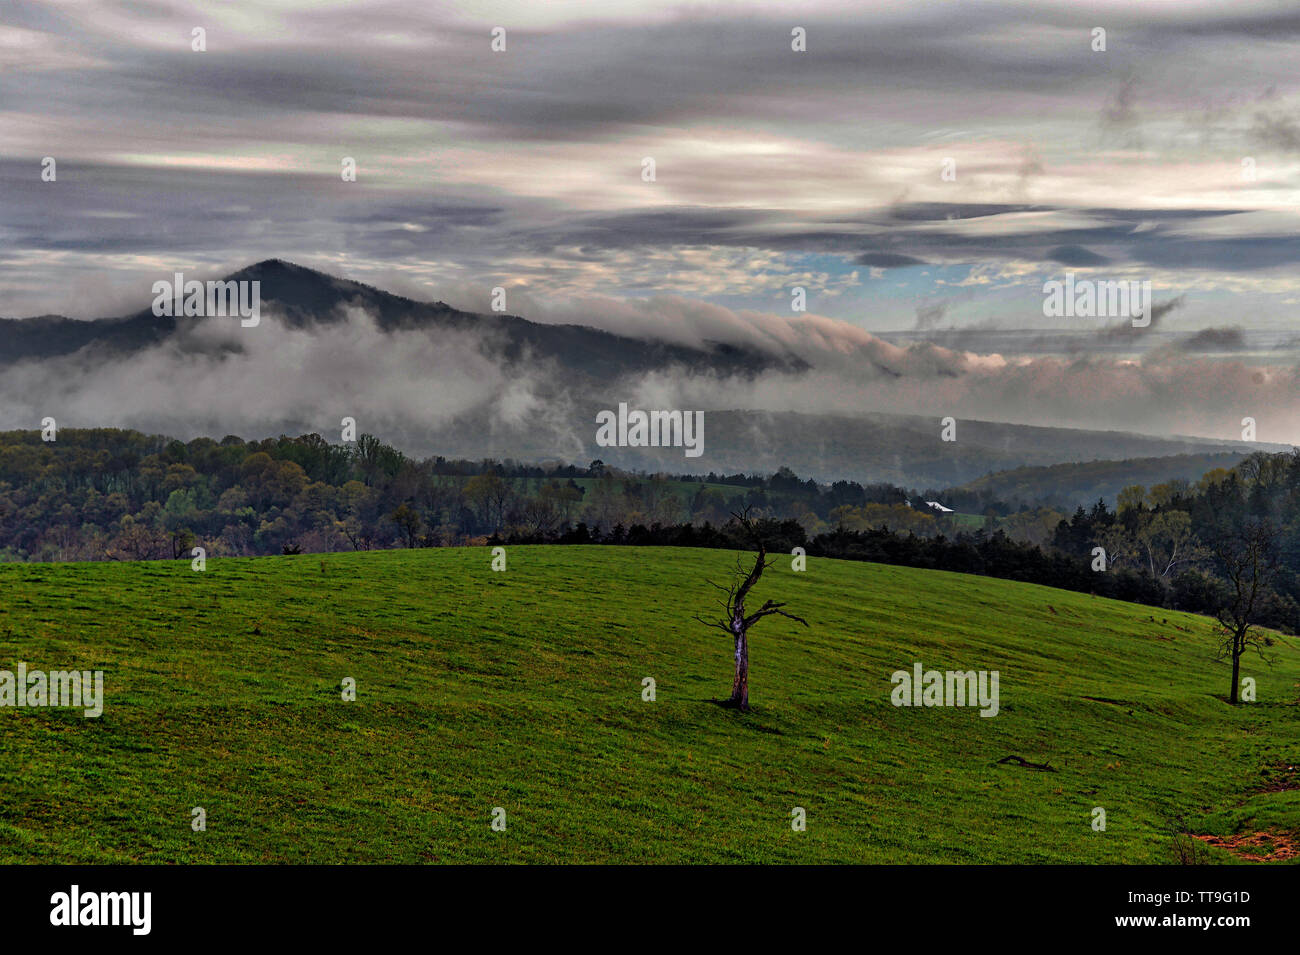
(1188, 850)
(736, 623)
(1249, 559)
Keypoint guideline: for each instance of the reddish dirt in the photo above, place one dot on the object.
(1280, 778)
(1256, 846)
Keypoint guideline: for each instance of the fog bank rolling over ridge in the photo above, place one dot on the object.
(813, 393)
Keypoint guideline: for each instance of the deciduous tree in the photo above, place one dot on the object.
(737, 622)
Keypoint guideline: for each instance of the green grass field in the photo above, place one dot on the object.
(523, 690)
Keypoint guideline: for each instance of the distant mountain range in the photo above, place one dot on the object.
(1083, 483)
(907, 450)
(304, 298)
(579, 371)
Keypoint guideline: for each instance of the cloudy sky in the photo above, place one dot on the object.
(1173, 155)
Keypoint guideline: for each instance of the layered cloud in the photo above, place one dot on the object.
(920, 171)
(1173, 149)
(452, 392)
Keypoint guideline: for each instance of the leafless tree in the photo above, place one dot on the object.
(491, 496)
(540, 515)
(736, 623)
(1249, 559)
(138, 540)
(1188, 849)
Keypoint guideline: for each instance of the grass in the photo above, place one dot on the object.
(523, 690)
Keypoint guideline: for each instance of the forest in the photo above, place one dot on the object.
(109, 494)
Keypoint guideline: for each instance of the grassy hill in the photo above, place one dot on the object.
(522, 690)
(1082, 483)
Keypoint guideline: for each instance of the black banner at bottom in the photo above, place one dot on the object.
(148, 904)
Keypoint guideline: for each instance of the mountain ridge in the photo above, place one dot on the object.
(303, 298)
(566, 374)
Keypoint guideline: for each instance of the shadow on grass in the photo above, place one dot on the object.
(750, 717)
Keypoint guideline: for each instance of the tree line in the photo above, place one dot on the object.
(105, 494)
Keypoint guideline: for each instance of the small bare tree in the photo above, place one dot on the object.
(1188, 849)
(736, 622)
(1249, 559)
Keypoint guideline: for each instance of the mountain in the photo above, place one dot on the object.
(907, 450)
(1084, 482)
(433, 379)
(303, 298)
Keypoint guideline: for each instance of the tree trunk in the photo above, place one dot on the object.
(1236, 671)
(740, 685)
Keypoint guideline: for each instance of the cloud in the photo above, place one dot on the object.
(453, 393)
(1119, 118)
(534, 153)
(774, 168)
(1167, 398)
(1126, 330)
(887, 260)
(215, 377)
(1075, 255)
(1215, 340)
(929, 316)
(1276, 131)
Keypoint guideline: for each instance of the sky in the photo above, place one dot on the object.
(921, 169)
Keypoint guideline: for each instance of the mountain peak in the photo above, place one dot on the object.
(304, 298)
(280, 270)
(307, 295)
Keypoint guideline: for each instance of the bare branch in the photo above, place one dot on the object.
(769, 608)
(713, 623)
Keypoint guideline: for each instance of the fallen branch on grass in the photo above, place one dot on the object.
(1026, 764)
